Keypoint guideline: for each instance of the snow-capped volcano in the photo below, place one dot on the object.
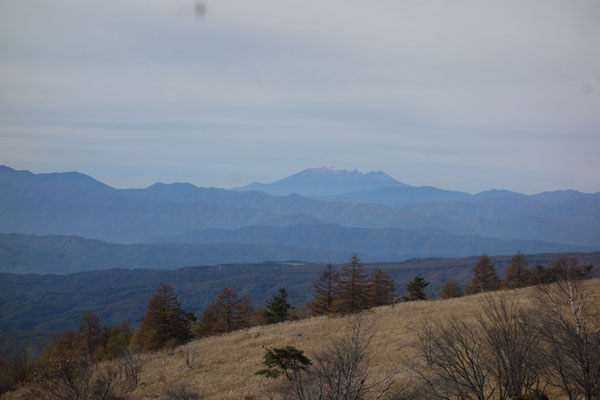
(326, 182)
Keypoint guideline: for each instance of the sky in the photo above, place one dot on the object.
(463, 95)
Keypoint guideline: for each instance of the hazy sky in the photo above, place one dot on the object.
(466, 95)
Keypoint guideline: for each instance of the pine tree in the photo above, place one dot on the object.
(164, 321)
(517, 274)
(382, 288)
(287, 361)
(450, 290)
(415, 290)
(277, 308)
(352, 288)
(230, 312)
(325, 292)
(484, 277)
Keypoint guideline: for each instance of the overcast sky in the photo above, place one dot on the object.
(464, 95)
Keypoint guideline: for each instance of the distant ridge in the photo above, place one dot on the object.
(325, 182)
(75, 204)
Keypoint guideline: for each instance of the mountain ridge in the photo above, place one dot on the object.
(75, 204)
(61, 254)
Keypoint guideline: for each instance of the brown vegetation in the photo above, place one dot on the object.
(484, 277)
(352, 288)
(227, 363)
(496, 345)
(325, 292)
(163, 323)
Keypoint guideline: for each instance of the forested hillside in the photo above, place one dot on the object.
(322, 243)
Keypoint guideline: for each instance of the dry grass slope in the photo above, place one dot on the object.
(224, 366)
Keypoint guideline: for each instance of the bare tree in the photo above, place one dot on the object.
(569, 324)
(513, 344)
(453, 362)
(344, 370)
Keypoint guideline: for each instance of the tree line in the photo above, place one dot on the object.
(511, 351)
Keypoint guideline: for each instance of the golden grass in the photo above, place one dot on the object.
(225, 366)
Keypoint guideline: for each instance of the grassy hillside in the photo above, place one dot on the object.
(224, 366)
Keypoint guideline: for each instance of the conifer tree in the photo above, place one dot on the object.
(517, 274)
(484, 277)
(230, 312)
(352, 288)
(277, 308)
(205, 324)
(325, 292)
(415, 290)
(450, 290)
(91, 332)
(164, 321)
(382, 288)
(246, 310)
(116, 339)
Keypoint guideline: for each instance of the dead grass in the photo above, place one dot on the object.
(224, 366)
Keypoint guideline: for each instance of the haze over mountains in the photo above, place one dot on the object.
(321, 213)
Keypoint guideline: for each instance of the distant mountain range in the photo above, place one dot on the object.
(337, 213)
(56, 254)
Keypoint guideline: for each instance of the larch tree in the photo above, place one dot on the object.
(484, 277)
(230, 312)
(164, 321)
(91, 332)
(352, 288)
(415, 290)
(451, 290)
(382, 288)
(517, 274)
(325, 294)
(204, 325)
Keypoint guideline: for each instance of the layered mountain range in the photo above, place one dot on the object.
(321, 213)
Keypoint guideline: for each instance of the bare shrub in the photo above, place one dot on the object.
(513, 344)
(20, 365)
(131, 363)
(73, 376)
(111, 382)
(496, 357)
(179, 392)
(569, 324)
(342, 372)
(453, 362)
(68, 377)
